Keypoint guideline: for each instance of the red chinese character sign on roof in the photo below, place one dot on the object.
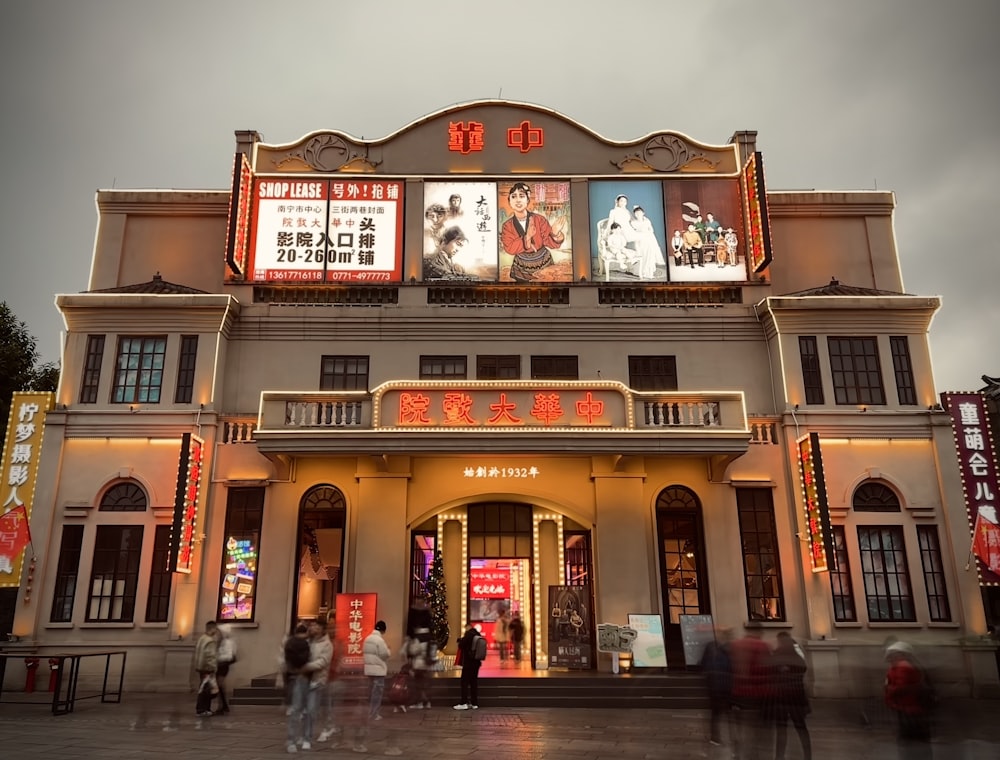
(465, 137)
(977, 462)
(524, 137)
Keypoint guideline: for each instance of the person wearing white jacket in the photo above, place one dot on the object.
(376, 655)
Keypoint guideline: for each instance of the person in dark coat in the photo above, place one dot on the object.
(470, 669)
(786, 695)
(718, 670)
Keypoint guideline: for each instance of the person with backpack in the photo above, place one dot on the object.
(295, 657)
(226, 656)
(472, 649)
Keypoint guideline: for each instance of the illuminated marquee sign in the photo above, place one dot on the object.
(510, 407)
(239, 215)
(21, 454)
(755, 207)
(327, 230)
(819, 533)
(524, 137)
(239, 579)
(465, 137)
(977, 461)
(489, 583)
(179, 559)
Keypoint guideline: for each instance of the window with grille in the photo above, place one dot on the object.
(903, 369)
(872, 496)
(812, 378)
(443, 368)
(240, 550)
(498, 367)
(857, 374)
(761, 566)
(421, 559)
(67, 573)
(139, 370)
(343, 373)
(123, 497)
(114, 576)
(555, 368)
(652, 373)
(576, 554)
(158, 601)
(885, 573)
(840, 580)
(499, 531)
(933, 567)
(185, 369)
(92, 369)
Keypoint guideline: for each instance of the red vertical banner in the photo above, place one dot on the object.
(356, 618)
(977, 462)
(819, 532)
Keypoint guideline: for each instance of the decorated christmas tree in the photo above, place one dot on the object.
(437, 598)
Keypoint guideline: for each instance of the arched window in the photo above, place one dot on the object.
(127, 496)
(677, 497)
(872, 496)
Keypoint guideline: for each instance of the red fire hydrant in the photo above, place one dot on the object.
(54, 663)
(31, 664)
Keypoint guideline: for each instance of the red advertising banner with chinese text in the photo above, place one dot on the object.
(21, 453)
(977, 462)
(180, 558)
(819, 531)
(356, 618)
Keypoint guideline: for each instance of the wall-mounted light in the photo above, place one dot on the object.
(863, 409)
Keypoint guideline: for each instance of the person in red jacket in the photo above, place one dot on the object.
(906, 687)
(750, 659)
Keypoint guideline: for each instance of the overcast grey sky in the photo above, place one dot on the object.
(901, 95)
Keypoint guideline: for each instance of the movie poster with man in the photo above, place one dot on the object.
(706, 234)
(460, 232)
(571, 642)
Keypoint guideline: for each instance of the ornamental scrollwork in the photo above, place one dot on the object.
(329, 153)
(667, 153)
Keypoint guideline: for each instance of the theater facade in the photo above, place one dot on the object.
(609, 383)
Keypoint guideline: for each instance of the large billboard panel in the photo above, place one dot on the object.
(705, 222)
(327, 230)
(535, 237)
(460, 231)
(627, 231)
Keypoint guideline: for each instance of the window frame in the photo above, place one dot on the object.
(812, 374)
(160, 577)
(932, 566)
(644, 374)
(841, 584)
(498, 367)
(556, 367)
(93, 363)
(67, 578)
(129, 385)
(885, 573)
(902, 368)
(441, 367)
(187, 360)
(245, 506)
(121, 559)
(759, 503)
(350, 377)
(854, 385)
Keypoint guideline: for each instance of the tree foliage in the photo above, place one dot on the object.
(437, 598)
(19, 367)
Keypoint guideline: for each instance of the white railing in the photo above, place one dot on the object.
(237, 429)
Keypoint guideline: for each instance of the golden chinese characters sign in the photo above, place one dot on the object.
(22, 450)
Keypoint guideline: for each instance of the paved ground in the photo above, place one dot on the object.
(146, 725)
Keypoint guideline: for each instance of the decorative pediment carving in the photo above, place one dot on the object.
(666, 153)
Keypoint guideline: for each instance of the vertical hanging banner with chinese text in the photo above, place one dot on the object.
(977, 462)
(819, 531)
(356, 618)
(21, 453)
(180, 557)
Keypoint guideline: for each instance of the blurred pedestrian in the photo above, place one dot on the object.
(786, 695)
(376, 655)
(225, 658)
(206, 662)
(908, 693)
(419, 651)
(327, 717)
(750, 657)
(718, 670)
(516, 628)
(501, 634)
(296, 657)
(472, 650)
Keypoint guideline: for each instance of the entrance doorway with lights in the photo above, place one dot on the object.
(683, 572)
(322, 517)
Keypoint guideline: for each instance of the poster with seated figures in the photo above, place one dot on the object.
(705, 223)
(627, 241)
(460, 231)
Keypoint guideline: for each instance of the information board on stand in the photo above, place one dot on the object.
(696, 632)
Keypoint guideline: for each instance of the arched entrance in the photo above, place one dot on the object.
(683, 571)
(320, 553)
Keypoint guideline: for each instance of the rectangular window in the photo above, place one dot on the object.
(67, 572)
(421, 561)
(92, 369)
(114, 577)
(555, 368)
(498, 367)
(901, 365)
(240, 550)
(761, 567)
(185, 369)
(577, 556)
(443, 368)
(886, 576)
(840, 580)
(933, 567)
(344, 373)
(158, 603)
(139, 370)
(857, 375)
(812, 379)
(652, 373)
